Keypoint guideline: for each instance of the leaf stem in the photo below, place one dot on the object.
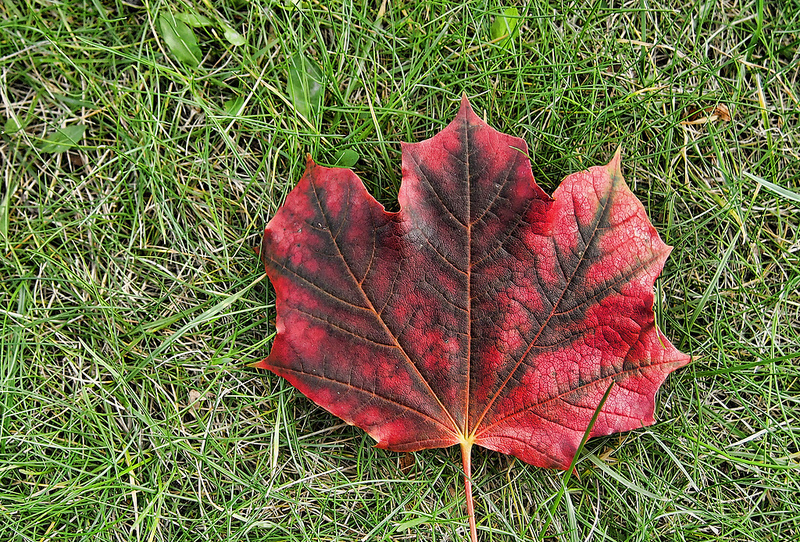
(466, 460)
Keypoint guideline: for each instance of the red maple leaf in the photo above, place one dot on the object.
(484, 312)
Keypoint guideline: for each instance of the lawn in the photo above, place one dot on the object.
(139, 170)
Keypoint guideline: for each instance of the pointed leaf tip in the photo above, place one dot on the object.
(615, 165)
(465, 109)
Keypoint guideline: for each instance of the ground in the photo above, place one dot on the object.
(139, 169)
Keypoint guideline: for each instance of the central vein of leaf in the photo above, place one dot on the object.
(468, 220)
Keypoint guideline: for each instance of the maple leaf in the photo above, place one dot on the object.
(483, 313)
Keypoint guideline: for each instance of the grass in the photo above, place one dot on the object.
(131, 301)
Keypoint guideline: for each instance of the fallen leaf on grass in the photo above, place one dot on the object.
(484, 312)
(712, 113)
